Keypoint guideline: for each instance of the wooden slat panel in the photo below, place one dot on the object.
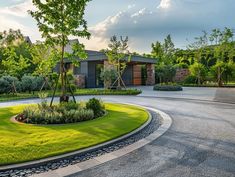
(137, 75)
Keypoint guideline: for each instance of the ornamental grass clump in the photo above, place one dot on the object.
(61, 113)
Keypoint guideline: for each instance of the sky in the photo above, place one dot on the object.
(143, 21)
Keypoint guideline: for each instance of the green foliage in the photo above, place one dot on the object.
(165, 52)
(31, 83)
(190, 80)
(199, 71)
(167, 87)
(45, 58)
(14, 85)
(165, 73)
(11, 37)
(181, 66)
(97, 106)
(108, 76)
(4, 86)
(14, 64)
(62, 113)
(118, 56)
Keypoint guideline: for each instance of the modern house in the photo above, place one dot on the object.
(88, 73)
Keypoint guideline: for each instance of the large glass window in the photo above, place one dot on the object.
(99, 82)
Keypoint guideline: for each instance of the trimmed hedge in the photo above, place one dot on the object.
(160, 87)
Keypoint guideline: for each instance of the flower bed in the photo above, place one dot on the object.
(62, 113)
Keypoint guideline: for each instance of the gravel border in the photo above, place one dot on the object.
(147, 130)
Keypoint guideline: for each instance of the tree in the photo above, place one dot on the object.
(118, 55)
(157, 50)
(14, 64)
(45, 58)
(11, 37)
(57, 20)
(199, 71)
(168, 50)
(223, 54)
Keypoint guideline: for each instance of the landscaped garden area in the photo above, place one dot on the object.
(22, 142)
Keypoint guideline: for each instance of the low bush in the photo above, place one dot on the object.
(4, 88)
(97, 106)
(62, 113)
(107, 92)
(14, 85)
(190, 80)
(167, 87)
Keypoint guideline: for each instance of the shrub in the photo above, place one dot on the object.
(97, 106)
(163, 87)
(4, 88)
(165, 73)
(108, 76)
(199, 71)
(62, 113)
(28, 83)
(190, 80)
(12, 82)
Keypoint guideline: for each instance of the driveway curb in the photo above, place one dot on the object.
(69, 170)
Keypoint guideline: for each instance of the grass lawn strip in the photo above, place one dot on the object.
(22, 142)
(19, 96)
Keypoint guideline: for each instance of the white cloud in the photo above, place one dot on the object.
(164, 4)
(18, 10)
(131, 6)
(139, 13)
(14, 17)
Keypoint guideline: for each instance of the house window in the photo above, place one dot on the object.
(98, 70)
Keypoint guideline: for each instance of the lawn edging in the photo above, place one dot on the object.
(36, 163)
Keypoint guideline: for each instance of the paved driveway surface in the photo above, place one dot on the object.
(200, 143)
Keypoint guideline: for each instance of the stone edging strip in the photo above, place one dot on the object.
(35, 163)
(69, 170)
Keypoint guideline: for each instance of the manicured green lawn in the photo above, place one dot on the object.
(22, 142)
(9, 97)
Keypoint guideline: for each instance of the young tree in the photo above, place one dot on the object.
(168, 50)
(199, 71)
(157, 50)
(45, 59)
(118, 55)
(57, 20)
(11, 37)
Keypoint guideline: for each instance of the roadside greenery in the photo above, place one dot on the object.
(210, 59)
(167, 87)
(23, 95)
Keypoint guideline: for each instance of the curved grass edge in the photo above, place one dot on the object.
(102, 143)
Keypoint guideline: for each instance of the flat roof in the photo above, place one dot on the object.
(100, 56)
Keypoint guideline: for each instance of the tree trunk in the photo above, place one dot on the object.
(219, 75)
(63, 97)
(119, 77)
